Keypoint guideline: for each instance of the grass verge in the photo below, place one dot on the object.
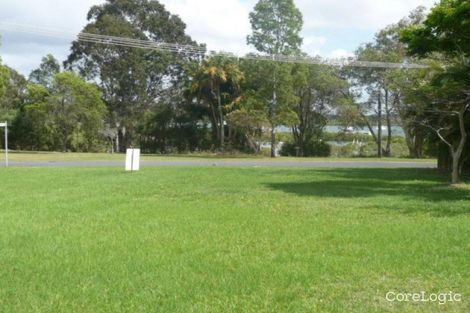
(230, 240)
(57, 156)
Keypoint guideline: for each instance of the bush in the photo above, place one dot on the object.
(311, 149)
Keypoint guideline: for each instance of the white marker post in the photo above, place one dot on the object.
(5, 125)
(132, 160)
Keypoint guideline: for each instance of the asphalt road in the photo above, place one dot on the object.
(229, 163)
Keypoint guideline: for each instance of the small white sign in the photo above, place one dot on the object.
(3, 124)
(133, 160)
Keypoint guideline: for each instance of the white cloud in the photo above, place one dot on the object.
(312, 44)
(65, 15)
(361, 14)
(222, 25)
(24, 52)
(340, 53)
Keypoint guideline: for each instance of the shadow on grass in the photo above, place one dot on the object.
(404, 190)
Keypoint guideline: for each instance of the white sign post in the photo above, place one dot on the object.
(5, 125)
(133, 160)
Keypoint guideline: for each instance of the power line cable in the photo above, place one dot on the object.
(201, 50)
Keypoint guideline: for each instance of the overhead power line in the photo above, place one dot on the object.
(199, 50)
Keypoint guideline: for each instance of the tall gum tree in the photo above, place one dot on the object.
(132, 80)
(276, 26)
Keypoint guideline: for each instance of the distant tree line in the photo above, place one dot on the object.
(107, 98)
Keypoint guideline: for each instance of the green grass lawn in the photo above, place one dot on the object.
(230, 240)
(57, 156)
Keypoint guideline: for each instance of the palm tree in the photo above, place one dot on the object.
(217, 81)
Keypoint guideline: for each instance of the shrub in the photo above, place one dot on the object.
(311, 149)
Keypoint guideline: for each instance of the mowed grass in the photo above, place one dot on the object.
(19, 156)
(211, 239)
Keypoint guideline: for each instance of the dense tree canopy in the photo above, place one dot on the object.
(3, 77)
(132, 80)
(217, 83)
(444, 35)
(68, 116)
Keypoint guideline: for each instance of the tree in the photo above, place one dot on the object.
(276, 25)
(77, 111)
(399, 81)
(383, 87)
(319, 90)
(11, 104)
(44, 75)
(280, 109)
(217, 82)
(248, 120)
(178, 122)
(132, 80)
(31, 128)
(445, 32)
(71, 113)
(3, 77)
(11, 93)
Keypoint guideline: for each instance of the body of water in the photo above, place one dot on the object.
(396, 130)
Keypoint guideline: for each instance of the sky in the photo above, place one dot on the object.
(332, 28)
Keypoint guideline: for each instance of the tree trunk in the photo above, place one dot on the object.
(273, 126)
(388, 149)
(273, 141)
(455, 168)
(221, 119)
(371, 130)
(457, 153)
(64, 142)
(124, 141)
(379, 124)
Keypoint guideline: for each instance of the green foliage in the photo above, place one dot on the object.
(69, 115)
(310, 149)
(248, 120)
(44, 75)
(276, 27)
(169, 130)
(131, 79)
(77, 111)
(445, 97)
(217, 84)
(8, 97)
(268, 78)
(446, 30)
(383, 89)
(3, 78)
(30, 130)
(4, 73)
(367, 148)
(319, 91)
